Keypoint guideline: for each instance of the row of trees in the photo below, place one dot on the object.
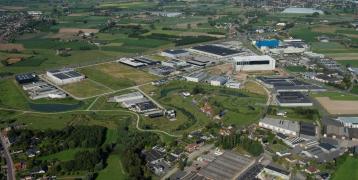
(229, 142)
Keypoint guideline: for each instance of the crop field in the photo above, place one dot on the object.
(11, 47)
(335, 95)
(128, 5)
(86, 88)
(117, 76)
(338, 106)
(239, 107)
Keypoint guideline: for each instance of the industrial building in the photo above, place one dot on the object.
(290, 46)
(295, 10)
(270, 43)
(171, 53)
(289, 84)
(26, 78)
(280, 126)
(174, 63)
(146, 61)
(254, 63)
(217, 80)
(227, 166)
(64, 76)
(308, 130)
(161, 70)
(293, 99)
(131, 62)
(275, 172)
(215, 51)
(196, 77)
(41, 89)
(127, 97)
(233, 84)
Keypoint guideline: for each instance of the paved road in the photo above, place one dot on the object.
(9, 162)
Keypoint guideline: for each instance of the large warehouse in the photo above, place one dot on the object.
(218, 52)
(64, 76)
(254, 63)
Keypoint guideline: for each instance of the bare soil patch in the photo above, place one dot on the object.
(9, 47)
(338, 106)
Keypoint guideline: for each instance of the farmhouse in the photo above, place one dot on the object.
(64, 76)
(280, 126)
(254, 63)
(218, 52)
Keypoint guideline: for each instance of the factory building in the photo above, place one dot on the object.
(281, 126)
(254, 63)
(175, 53)
(196, 77)
(217, 52)
(64, 76)
(271, 43)
(293, 99)
(217, 80)
(26, 78)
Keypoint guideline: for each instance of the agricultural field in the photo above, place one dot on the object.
(335, 95)
(117, 76)
(237, 107)
(338, 106)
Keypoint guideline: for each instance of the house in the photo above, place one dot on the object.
(192, 147)
(311, 170)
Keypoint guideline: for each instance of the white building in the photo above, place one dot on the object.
(280, 126)
(175, 53)
(233, 84)
(254, 63)
(351, 122)
(196, 77)
(127, 97)
(64, 76)
(274, 172)
(217, 80)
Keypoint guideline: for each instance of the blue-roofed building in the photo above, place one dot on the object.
(271, 43)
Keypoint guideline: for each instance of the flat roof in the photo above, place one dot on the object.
(277, 169)
(217, 50)
(292, 97)
(284, 124)
(64, 73)
(295, 10)
(289, 84)
(253, 58)
(226, 166)
(307, 129)
(175, 51)
(351, 120)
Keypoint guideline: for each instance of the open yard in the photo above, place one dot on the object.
(117, 76)
(86, 88)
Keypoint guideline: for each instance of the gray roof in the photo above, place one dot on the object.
(284, 124)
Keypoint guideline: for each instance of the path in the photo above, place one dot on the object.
(9, 162)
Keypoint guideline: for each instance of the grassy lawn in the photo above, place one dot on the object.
(11, 96)
(296, 69)
(86, 88)
(117, 76)
(348, 170)
(336, 96)
(292, 114)
(240, 106)
(61, 120)
(114, 169)
(254, 88)
(65, 155)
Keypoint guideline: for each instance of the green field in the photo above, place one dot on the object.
(65, 155)
(86, 88)
(336, 95)
(117, 76)
(352, 63)
(114, 169)
(241, 107)
(348, 170)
